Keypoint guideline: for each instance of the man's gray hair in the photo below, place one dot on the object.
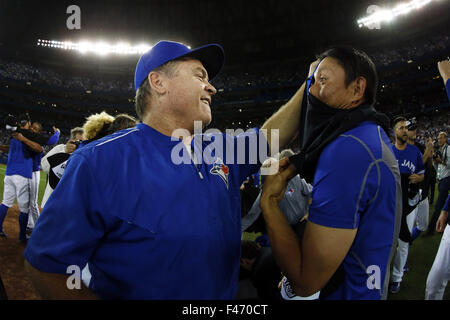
(144, 92)
(286, 153)
(75, 131)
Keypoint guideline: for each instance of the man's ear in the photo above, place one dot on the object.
(359, 88)
(157, 82)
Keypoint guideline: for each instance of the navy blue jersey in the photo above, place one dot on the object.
(20, 159)
(357, 186)
(147, 227)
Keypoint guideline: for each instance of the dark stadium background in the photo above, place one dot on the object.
(268, 48)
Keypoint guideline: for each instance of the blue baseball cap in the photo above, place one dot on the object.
(211, 56)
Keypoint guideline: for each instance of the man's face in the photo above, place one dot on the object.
(412, 134)
(329, 86)
(189, 93)
(441, 139)
(35, 128)
(78, 136)
(401, 131)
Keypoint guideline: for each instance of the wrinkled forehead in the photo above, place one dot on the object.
(400, 124)
(329, 64)
(193, 65)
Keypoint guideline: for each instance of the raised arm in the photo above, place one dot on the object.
(287, 118)
(34, 146)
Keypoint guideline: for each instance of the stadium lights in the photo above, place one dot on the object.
(388, 15)
(101, 48)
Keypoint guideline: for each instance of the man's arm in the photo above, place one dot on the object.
(416, 178)
(287, 118)
(444, 70)
(323, 249)
(4, 148)
(54, 286)
(428, 154)
(34, 146)
(443, 217)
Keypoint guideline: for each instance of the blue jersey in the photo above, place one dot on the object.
(447, 88)
(357, 186)
(409, 160)
(446, 206)
(20, 159)
(147, 227)
(38, 156)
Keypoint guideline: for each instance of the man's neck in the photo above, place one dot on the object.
(400, 145)
(411, 142)
(170, 128)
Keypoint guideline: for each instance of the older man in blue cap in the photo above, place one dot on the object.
(138, 224)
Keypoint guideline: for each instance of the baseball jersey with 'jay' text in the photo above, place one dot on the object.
(147, 227)
(357, 186)
(409, 160)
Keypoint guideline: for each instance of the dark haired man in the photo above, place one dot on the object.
(423, 206)
(412, 170)
(34, 211)
(354, 216)
(18, 176)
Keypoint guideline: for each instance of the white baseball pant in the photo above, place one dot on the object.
(16, 186)
(403, 249)
(439, 274)
(34, 192)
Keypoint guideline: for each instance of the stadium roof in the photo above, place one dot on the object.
(249, 30)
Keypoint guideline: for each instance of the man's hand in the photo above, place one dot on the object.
(438, 159)
(56, 129)
(444, 70)
(416, 178)
(70, 146)
(429, 145)
(312, 67)
(275, 185)
(442, 221)
(18, 136)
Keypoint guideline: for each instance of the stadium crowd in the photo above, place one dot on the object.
(283, 73)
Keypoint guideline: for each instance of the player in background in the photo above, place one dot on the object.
(34, 211)
(57, 155)
(412, 170)
(423, 206)
(18, 176)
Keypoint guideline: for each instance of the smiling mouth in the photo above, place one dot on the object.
(206, 100)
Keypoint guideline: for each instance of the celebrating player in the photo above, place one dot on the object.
(141, 225)
(354, 216)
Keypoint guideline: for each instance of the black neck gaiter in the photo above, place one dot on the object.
(322, 124)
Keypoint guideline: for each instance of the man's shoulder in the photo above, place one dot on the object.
(366, 136)
(109, 146)
(413, 149)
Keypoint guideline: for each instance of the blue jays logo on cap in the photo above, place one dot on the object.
(211, 56)
(220, 169)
